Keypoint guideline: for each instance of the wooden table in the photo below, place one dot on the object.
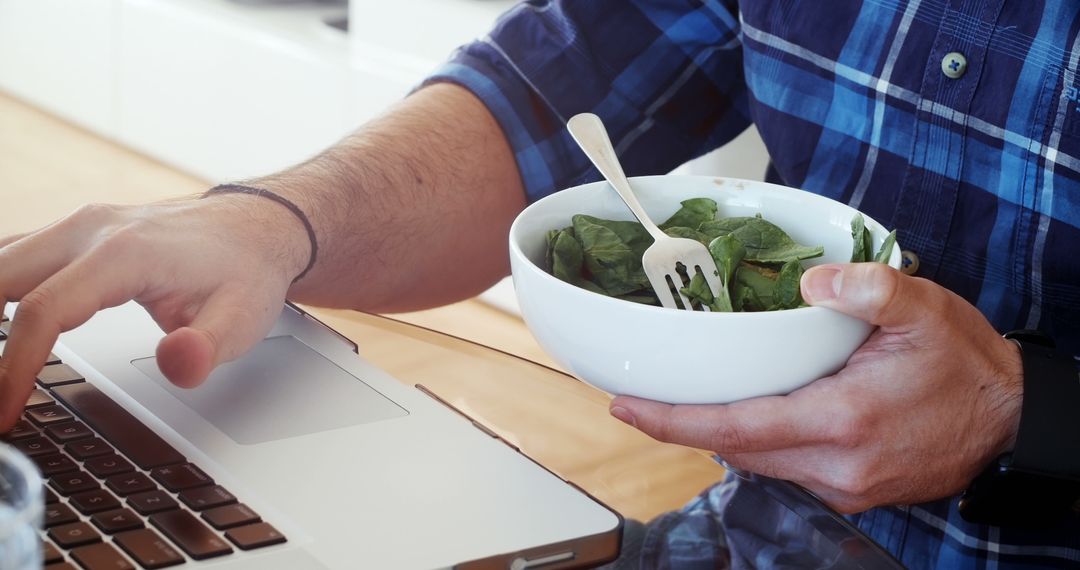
(49, 167)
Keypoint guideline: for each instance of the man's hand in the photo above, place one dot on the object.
(423, 194)
(213, 273)
(919, 409)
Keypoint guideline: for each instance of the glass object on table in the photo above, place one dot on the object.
(21, 508)
(770, 523)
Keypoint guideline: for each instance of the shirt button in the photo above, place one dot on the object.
(953, 65)
(909, 262)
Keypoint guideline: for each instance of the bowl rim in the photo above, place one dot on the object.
(803, 312)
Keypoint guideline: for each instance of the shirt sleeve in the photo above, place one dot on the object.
(665, 76)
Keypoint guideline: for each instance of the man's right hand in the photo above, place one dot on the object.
(213, 273)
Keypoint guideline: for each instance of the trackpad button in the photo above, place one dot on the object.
(281, 389)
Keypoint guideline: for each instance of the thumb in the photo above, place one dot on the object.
(873, 292)
(226, 327)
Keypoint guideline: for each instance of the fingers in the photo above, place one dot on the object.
(228, 325)
(28, 259)
(6, 241)
(873, 292)
(64, 301)
(40, 255)
(757, 424)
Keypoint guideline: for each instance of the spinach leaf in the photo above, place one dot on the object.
(688, 233)
(722, 227)
(761, 281)
(863, 243)
(549, 250)
(786, 295)
(885, 252)
(698, 292)
(764, 241)
(861, 239)
(746, 299)
(564, 255)
(693, 213)
(868, 243)
(727, 251)
(566, 259)
(612, 252)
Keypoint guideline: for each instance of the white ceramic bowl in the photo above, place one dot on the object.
(681, 356)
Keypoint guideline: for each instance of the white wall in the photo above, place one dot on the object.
(223, 89)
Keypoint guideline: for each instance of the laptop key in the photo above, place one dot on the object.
(34, 446)
(22, 429)
(73, 482)
(58, 514)
(50, 553)
(190, 534)
(101, 556)
(61, 566)
(255, 535)
(117, 520)
(75, 534)
(152, 502)
(38, 398)
(94, 501)
(47, 415)
(176, 478)
(202, 498)
(53, 359)
(126, 484)
(68, 431)
(53, 464)
(50, 496)
(118, 426)
(229, 516)
(148, 549)
(107, 465)
(53, 375)
(86, 448)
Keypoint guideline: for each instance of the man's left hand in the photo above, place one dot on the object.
(916, 413)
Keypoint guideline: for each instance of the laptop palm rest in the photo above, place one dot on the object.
(281, 389)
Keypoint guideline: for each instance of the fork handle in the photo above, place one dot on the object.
(589, 132)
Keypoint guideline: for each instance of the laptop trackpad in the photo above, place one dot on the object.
(281, 389)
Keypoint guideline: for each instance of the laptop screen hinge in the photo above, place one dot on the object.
(352, 345)
(524, 563)
(475, 423)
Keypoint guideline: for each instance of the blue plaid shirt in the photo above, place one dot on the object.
(975, 161)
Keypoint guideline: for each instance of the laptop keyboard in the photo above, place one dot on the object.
(117, 495)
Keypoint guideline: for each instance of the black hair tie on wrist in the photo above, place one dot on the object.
(241, 189)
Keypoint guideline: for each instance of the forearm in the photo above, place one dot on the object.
(411, 211)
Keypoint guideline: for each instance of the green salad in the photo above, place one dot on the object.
(759, 264)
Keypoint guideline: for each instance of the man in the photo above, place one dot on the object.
(956, 123)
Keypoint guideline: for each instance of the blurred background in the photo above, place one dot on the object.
(228, 89)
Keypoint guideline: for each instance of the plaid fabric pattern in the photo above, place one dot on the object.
(979, 174)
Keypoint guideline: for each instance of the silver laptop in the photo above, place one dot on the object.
(299, 455)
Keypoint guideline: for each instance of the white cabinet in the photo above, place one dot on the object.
(226, 90)
(58, 54)
(222, 97)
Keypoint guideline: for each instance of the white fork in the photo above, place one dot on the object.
(666, 252)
